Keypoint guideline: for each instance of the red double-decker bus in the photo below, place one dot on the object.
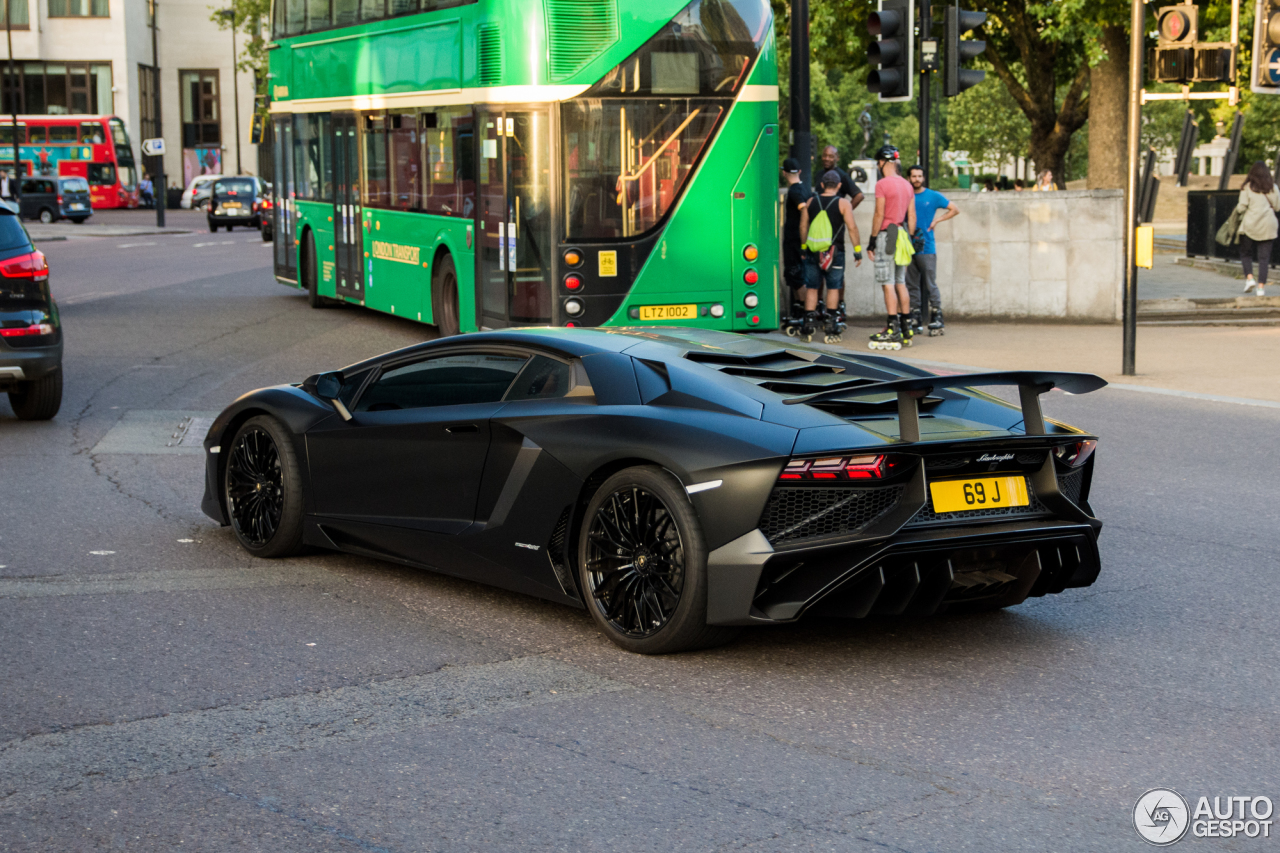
(95, 148)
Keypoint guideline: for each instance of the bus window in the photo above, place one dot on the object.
(6, 135)
(405, 161)
(36, 134)
(91, 132)
(449, 176)
(317, 15)
(313, 156)
(345, 12)
(102, 174)
(375, 160)
(128, 178)
(118, 134)
(63, 133)
(371, 10)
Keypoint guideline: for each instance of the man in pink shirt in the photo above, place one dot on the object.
(895, 209)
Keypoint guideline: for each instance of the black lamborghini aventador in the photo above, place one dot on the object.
(677, 483)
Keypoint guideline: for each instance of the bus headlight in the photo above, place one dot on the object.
(717, 310)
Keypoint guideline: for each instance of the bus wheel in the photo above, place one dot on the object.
(444, 297)
(46, 215)
(310, 278)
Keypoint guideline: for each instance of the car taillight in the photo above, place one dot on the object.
(31, 265)
(865, 467)
(1076, 454)
(32, 331)
(59, 199)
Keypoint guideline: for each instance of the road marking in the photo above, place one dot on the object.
(101, 553)
(169, 580)
(87, 297)
(35, 767)
(133, 245)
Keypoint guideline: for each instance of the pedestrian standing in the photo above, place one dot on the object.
(894, 211)
(1044, 183)
(824, 263)
(932, 208)
(1259, 201)
(848, 189)
(793, 264)
(5, 190)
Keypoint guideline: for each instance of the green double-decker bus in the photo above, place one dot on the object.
(490, 163)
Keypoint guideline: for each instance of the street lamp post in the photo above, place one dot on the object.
(1137, 26)
(15, 185)
(159, 189)
(230, 15)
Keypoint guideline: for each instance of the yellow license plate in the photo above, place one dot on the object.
(984, 493)
(668, 312)
(230, 204)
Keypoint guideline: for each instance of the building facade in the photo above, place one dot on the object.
(95, 57)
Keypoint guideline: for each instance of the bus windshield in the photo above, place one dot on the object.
(633, 139)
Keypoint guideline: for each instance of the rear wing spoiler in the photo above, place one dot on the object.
(1031, 384)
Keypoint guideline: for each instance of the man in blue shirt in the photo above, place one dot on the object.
(932, 208)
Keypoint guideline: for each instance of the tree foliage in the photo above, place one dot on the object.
(986, 122)
(252, 18)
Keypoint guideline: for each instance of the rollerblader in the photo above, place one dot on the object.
(922, 275)
(794, 269)
(894, 212)
(823, 224)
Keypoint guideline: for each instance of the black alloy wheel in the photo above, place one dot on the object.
(263, 488)
(643, 564)
(444, 297)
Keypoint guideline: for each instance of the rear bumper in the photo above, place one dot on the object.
(916, 572)
(19, 365)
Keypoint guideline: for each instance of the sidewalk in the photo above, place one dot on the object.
(120, 223)
(1229, 361)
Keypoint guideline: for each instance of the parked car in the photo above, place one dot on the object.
(30, 332)
(50, 199)
(235, 201)
(197, 192)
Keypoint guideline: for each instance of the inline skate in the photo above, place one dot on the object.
(908, 329)
(889, 339)
(936, 324)
(794, 320)
(835, 325)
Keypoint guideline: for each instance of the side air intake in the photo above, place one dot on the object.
(578, 31)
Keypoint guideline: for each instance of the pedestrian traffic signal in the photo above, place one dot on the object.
(1174, 59)
(894, 28)
(956, 78)
(1266, 49)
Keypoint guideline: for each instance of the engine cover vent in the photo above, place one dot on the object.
(578, 31)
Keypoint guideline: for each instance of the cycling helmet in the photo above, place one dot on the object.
(888, 152)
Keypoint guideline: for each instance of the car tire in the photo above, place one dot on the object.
(262, 487)
(642, 564)
(46, 216)
(38, 399)
(213, 226)
(444, 297)
(266, 234)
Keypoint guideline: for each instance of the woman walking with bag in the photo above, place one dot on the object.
(1259, 201)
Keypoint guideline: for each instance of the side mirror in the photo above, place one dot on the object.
(328, 387)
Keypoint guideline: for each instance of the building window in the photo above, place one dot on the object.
(147, 100)
(17, 10)
(78, 9)
(58, 88)
(200, 114)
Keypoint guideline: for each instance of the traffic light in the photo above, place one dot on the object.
(1174, 60)
(893, 52)
(1266, 49)
(955, 78)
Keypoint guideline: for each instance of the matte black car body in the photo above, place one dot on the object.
(504, 504)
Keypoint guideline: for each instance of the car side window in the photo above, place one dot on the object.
(446, 380)
(542, 379)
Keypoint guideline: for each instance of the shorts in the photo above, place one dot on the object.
(887, 272)
(832, 277)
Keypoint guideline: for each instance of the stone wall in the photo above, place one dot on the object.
(1043, 256)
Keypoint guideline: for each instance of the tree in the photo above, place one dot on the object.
(251, 17)
(986, 122)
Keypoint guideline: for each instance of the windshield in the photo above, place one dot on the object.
(632, 140)
(102, 174)
(237, 187)
(75, 185)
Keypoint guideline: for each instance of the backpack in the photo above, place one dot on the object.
(820, 231)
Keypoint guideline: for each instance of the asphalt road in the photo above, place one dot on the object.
(160, 690)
